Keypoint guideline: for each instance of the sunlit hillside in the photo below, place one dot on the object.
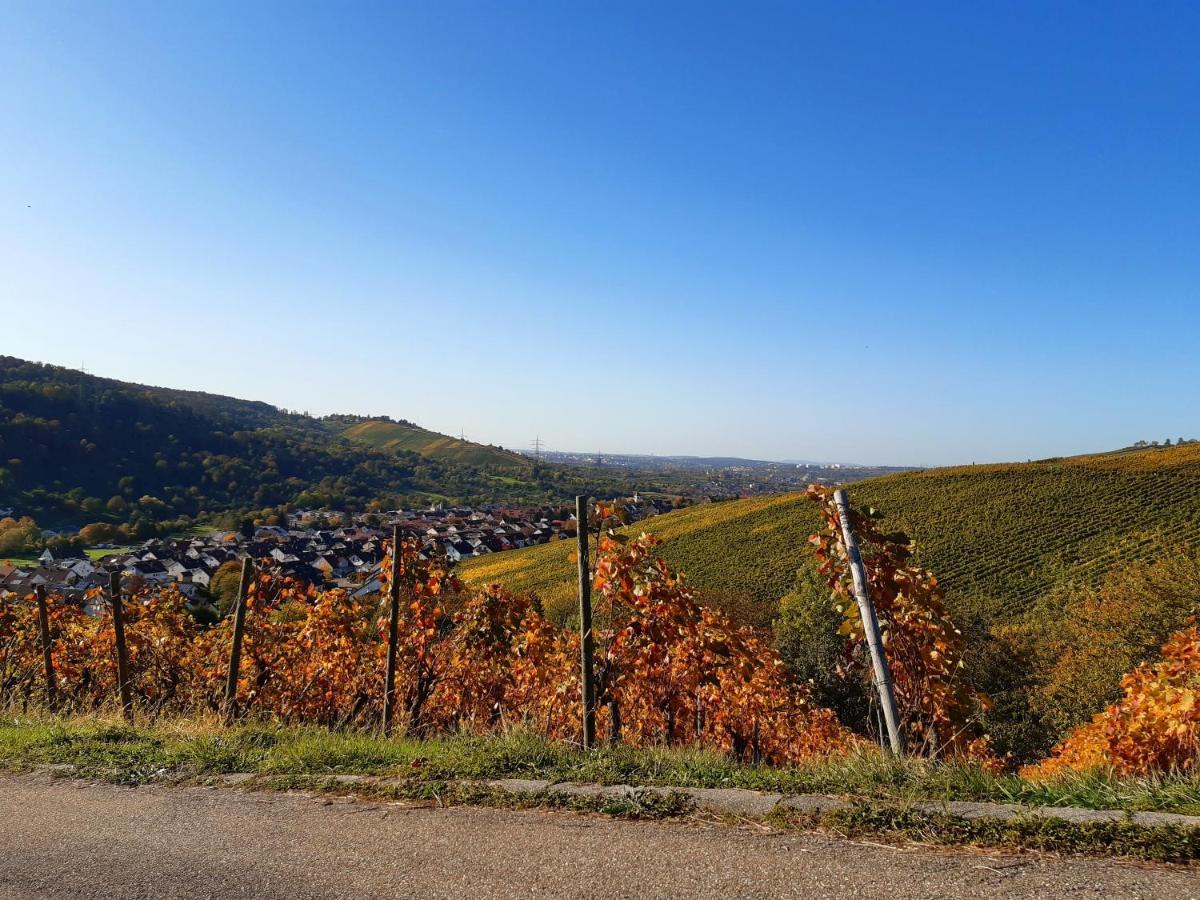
(999, 535)
(387, 435)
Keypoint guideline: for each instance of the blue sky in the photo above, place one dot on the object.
(890, 233)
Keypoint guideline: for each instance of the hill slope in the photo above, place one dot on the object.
(76, 448)
(388, 435)
(996, 535)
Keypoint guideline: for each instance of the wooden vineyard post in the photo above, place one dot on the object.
(585, 626)
(239, 631)
(389, 678)
(118, 614)
(47, 656)
(883, 675)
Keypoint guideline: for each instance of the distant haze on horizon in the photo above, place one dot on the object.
(910, 235)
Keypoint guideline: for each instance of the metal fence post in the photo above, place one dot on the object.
(883, 675)
(585, 627)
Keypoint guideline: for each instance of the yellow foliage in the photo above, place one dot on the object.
(1153, 728)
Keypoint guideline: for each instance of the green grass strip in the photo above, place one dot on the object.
(107, 750)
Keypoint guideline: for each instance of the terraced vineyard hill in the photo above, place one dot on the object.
(388, 435)
(1000, 535)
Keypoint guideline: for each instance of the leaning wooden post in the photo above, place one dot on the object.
(389, 677)
(883, 675)
(239, 631)
(585, 626)
(118, 614)
(47, 656)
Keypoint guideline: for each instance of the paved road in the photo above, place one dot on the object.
(72, 839)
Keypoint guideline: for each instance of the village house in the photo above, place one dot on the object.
(348, 555)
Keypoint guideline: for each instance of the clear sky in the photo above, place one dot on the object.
(883, 232)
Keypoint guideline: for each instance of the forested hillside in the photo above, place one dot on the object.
(75, 448)
(998, 536)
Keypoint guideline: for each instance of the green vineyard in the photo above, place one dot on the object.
(999, 536)
(386, 435)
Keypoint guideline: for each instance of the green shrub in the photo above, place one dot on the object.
(1086, 639)
(806, 634)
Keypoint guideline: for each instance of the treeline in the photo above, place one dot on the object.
(22, 536)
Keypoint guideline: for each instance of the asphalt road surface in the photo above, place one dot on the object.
(62, 838)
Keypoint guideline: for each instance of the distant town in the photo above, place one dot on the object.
(726, 477)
